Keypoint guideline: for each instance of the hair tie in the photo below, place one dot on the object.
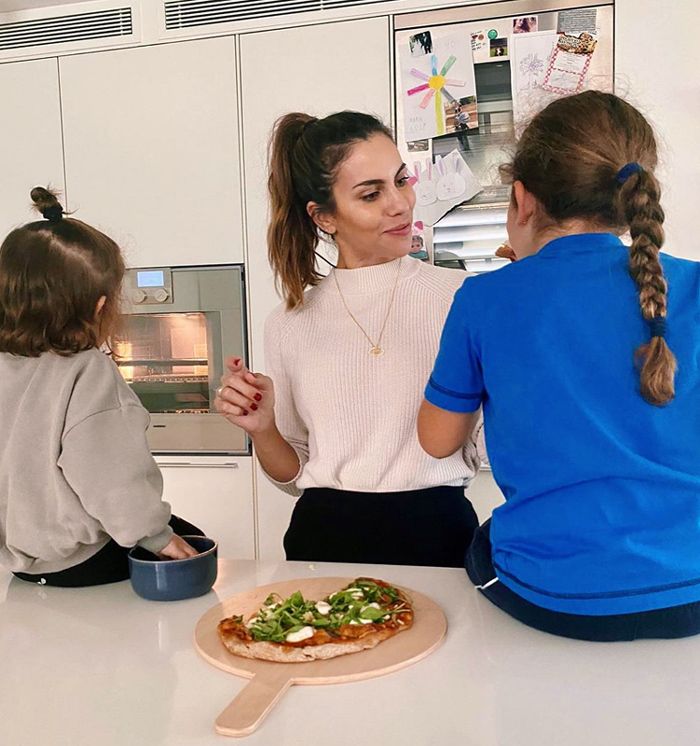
(657, 326)
(626, 171)
(53, 214)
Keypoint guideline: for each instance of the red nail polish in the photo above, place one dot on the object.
(253, 406)
(244, 412)
(257, 397)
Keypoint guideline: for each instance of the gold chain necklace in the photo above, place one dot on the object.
(376, 348)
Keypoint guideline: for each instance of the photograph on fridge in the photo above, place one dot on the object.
(421, 44)
(524, 24)
(461, 115)
(498, 47)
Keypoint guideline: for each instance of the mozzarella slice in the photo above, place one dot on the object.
(303, 634)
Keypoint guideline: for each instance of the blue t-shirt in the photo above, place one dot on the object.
(602, 512)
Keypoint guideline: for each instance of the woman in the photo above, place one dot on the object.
(335, 419)
(585, 356)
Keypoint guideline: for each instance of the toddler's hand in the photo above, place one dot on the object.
(177, 548)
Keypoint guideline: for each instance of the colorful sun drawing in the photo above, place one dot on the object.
(436, 87)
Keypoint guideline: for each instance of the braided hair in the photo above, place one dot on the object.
(592, 155)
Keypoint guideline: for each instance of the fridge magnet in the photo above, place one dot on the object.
(418, 250)
(584, 43)
(435, 83)
(524, 24)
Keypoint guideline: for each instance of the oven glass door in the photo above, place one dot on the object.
(165, 360)
(173, 363)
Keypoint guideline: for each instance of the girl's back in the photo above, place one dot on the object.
(588, 467)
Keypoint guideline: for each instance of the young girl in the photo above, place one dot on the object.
(585, 355)
(78, 485)
(336, 416)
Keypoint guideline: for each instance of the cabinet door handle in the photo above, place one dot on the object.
(199, 464)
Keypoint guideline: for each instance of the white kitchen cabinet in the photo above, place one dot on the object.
(218, 498)
(318, 69)
(30, 137)
(152, 150)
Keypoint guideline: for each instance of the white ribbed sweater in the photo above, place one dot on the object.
(351, 416)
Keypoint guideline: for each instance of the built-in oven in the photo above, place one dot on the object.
(180, 323)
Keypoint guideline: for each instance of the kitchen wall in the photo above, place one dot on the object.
(657, 68)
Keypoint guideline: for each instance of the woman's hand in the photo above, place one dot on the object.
(246, 399)
(177, 548)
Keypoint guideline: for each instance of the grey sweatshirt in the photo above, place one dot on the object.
(75, 467)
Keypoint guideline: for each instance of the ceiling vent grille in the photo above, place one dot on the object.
(189, 13)
(61, 29)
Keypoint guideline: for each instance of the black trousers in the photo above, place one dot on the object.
(419, 527)
(671, 622)
(109, 565)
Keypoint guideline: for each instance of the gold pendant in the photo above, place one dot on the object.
(376, 351)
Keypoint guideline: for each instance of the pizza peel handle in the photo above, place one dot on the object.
(252, 704)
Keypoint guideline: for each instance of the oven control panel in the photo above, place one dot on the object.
(149, 286)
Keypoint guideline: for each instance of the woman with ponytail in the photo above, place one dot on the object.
(346, 356)
(585, 353)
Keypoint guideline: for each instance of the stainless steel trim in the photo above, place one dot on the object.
(179, 464)
(490, 11)
(199, 463)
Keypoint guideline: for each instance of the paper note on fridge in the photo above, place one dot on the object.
(442, 185)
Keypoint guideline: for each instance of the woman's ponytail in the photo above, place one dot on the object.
(291, 234)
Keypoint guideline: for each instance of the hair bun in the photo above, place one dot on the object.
(47, 203)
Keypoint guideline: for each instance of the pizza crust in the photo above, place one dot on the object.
(270, 651)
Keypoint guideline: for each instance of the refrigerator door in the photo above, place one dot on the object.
(509, 44)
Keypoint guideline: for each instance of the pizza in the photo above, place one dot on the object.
(295, 629)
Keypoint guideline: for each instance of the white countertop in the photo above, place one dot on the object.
(102, 666)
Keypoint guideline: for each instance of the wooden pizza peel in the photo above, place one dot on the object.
(270, 680)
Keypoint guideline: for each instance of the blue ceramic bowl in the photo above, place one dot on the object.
(171, 580)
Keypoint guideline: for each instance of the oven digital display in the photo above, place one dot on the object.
(151, 279)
